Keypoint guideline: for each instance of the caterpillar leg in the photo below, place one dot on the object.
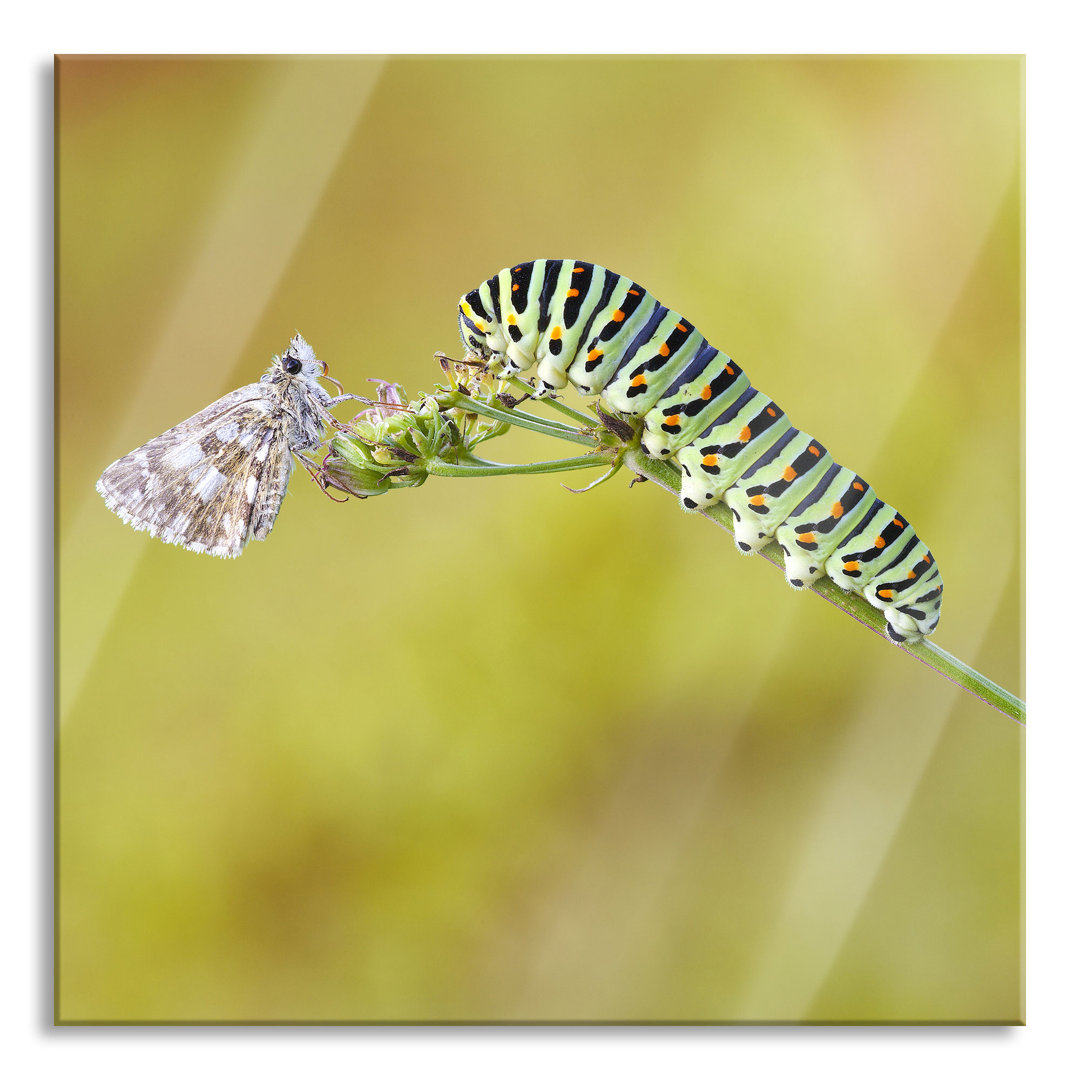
(901, 628)
(695, 493)
(911, 620)
(550, 376)
(749, 535)
(801, 569)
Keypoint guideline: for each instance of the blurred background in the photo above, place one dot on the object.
(486, 750)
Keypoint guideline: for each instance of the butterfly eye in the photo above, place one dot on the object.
(291, 364)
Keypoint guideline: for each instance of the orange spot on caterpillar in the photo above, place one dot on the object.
(680, 326)
(664, 350)
(911, 573)
(729, 370)
(879, 542)
(709, 459)
(771, 411)
(594, 355)
(852, 566)
(897, 521)
(757, 500)
(744, 435)
(885, 594)
(618, 316)
(510, 318)
(857, 486)
(806, 538)
(926, 557)
(514, 288)
(579, 269)
(790, 474)
(671, 421)
(572, 292)
(556, 333)
(638, 380)
(814, 450)
(634, 292)
(706, 393)
(837, 510)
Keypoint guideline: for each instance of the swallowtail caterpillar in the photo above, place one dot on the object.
(578, 323)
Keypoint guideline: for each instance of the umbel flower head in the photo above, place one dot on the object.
(388, 444)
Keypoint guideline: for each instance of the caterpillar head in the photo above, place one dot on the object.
(473, 331)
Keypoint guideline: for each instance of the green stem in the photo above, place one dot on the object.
(967, 678)
(553, 403)
(437, 467)
(455, 399)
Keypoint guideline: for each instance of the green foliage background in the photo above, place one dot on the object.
(486, 750)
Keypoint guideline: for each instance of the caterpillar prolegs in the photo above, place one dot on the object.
(603, 333)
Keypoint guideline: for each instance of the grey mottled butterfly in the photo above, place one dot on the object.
(216, 480)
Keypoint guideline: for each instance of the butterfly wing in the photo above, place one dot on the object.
(212, 482)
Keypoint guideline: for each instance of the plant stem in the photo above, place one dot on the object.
(853, 604)
(967, 678)
(455, 399)
(553, 403)
(666, 475)
(437, 467)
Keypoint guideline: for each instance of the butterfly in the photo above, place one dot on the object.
(216, 481)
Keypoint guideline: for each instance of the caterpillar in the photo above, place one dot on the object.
(606, 335)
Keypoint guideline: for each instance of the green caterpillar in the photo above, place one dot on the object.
(582, 324)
